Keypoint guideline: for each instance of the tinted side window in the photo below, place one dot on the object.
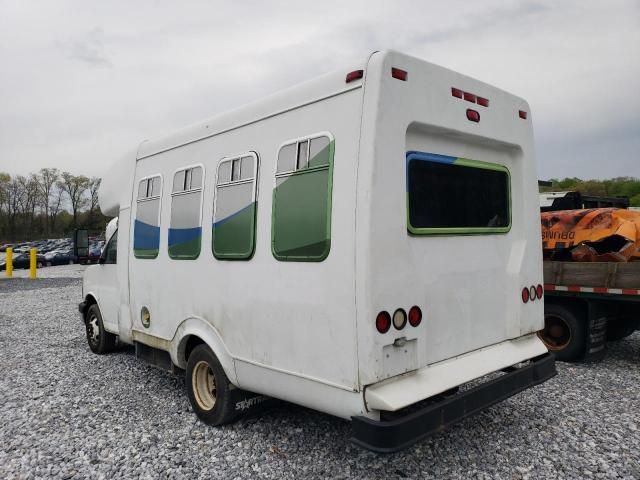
(454, 195)
(301, 217)
(185, 230)
(235, 208)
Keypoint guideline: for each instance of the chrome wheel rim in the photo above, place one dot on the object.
(203, 382)
(93, 330)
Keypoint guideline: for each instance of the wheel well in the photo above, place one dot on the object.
(192, 342)
(577, 305)
(89, 300)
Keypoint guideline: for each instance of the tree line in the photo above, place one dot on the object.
(49, 203)
(614, 187)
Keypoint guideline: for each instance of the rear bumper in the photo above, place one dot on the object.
(392, 435)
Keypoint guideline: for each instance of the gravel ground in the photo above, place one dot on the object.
(67, 413)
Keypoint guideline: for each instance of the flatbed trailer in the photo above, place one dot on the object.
(587, 304)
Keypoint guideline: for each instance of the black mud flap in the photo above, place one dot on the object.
(596, 336)
(386, 436)
(248, 403)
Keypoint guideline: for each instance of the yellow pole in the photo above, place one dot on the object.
(33, 263)
(9, 260)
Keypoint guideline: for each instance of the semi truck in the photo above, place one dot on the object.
(591, 274)
(587, 304)
(305, 247)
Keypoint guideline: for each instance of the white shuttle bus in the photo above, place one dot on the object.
(362, 244)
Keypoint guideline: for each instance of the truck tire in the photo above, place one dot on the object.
(564, 333)
(618, 329)
(100, 341)
(208, 387)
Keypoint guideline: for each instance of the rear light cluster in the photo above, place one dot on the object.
(469, 97)
(532, 293)
(399, 320)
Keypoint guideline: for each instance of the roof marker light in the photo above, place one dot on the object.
(456, 92)
(473, 115)
(399, 74)
(469, 97)
(483, 101)
(355, 75)
(522, 114)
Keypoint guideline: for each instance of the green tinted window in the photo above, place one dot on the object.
(301, 220)
(450, 195)
(234, 226)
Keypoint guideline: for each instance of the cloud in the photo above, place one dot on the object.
(89, 50)
(83, 81)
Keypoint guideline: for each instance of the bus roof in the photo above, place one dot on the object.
(308, 92)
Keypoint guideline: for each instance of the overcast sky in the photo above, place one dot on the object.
(81, 82)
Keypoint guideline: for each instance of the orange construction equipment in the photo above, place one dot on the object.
(591, 235)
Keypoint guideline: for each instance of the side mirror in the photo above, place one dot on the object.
(81, 243)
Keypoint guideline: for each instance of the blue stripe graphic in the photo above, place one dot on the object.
(145, 236)
(181, 235)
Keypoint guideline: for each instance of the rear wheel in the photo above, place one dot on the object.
(208, 387)
(564, 334)
(100, 341)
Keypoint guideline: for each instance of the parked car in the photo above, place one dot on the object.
(4, 246)
(22, 260)
(63, 257)
(94, 254)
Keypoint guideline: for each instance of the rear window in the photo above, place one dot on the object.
(449, 195)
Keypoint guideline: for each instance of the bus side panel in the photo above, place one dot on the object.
(288, 316)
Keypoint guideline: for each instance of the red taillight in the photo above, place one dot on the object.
(399, 74)
(469, 97)
(539, 291)
(522, 114)
(383, 322)
(525, 295)
(473, 115)
(355, 75)
(456, 92)
(415, 316)
(482, 101)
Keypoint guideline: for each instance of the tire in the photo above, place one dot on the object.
(213, 408)
(620, 328)
(100, 341)
(564, 332)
